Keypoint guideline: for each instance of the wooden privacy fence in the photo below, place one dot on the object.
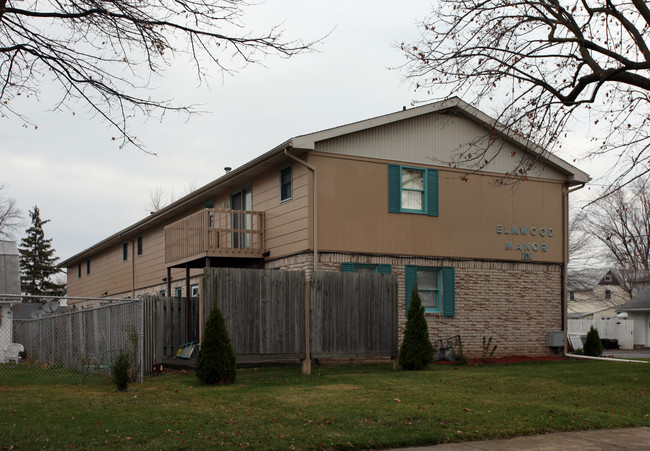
(264, 311)
(167, 326)
(621, 330)
(351, 315)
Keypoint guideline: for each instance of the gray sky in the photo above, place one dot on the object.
(90, 189)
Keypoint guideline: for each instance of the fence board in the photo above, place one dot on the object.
(621, 330)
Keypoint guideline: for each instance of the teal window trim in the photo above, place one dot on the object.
(192, 287)
(446, 288)
(125, 251)
(139, 245)
(286, 187)
(377, 268)
(430, 202)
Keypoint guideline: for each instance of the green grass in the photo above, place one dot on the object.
(355, 406)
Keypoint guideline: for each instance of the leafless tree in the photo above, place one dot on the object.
(11, 218)
(158, 200)
(105, 52)
(582, 250)
(542, 65)
(621, 223)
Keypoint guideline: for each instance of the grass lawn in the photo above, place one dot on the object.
(351, 406)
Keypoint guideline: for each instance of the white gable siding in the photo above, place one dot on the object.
(433, 139)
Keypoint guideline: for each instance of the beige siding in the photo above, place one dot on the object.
(354, 217)
(437, 139)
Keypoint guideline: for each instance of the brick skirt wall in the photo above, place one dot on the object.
(515, 303)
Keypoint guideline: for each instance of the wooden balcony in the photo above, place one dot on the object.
(214, 233)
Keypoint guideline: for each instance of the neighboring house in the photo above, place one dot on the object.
(596, 293)
(638, 311)
(400, 193)
(9, 284)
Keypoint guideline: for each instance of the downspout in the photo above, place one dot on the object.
(315, 206)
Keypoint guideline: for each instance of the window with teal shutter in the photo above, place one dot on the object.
(412, 190)
(435, 286)
(366, 267)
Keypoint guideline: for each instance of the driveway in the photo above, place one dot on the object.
(627, 353)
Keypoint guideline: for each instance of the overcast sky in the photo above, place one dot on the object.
(89, 189)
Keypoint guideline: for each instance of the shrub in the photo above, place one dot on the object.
(459, 355)
(120, 370)
(488, 352)
(416, 351)
(593, 345)
(216, 361)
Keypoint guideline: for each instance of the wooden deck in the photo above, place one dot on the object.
(215, 233)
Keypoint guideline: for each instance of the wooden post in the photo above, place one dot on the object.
(306, 363)
(169, 282)
(188, 304)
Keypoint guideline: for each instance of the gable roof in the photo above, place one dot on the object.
(640, 302)
(307, 142)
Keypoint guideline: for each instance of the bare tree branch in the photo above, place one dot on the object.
(104, 52)
(542, 64)
(11, 218)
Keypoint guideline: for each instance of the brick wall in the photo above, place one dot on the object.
(516, 304)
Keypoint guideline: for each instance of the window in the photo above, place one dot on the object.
(412, 190)
(125, 251)
(366, 267)
(139, 245)
(79, 270)
(162, 293)
(179, 292)
(608, 294)
(195, 290)
(572, 295)
(435, 287)
(88, 266)
(285, 184)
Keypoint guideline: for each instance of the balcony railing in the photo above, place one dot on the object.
(215, 233)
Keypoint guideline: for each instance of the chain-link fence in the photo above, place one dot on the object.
(43, 340)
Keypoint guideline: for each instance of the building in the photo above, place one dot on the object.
(483, 235)
(638, 311)
(596, 293)
(9, 285)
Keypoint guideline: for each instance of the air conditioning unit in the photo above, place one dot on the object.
(556, 339)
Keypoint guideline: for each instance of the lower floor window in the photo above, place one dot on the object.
(435, 286)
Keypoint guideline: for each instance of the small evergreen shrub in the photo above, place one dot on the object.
(593, 345)
(120, 367)
(416, 351)
(216, 361)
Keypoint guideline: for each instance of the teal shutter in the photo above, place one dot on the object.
(347, 267)
(410, 281)
(385, 269)
(448, 291)
(394, 188)
(432, 192)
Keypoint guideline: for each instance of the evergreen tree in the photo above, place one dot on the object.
(37, 260)
(216, 361)
(593, 345)
(416, 351)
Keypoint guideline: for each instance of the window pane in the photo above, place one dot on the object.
(429, 299)
(365, 269)
(412, 179)
(427, 280)
(412, 200)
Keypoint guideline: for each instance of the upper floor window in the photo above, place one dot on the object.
(79, 270)
(572, 295)
(285, 183)
(139, 245)
(125, 251)
(608, 294)
(412, 190)
(88, 266)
